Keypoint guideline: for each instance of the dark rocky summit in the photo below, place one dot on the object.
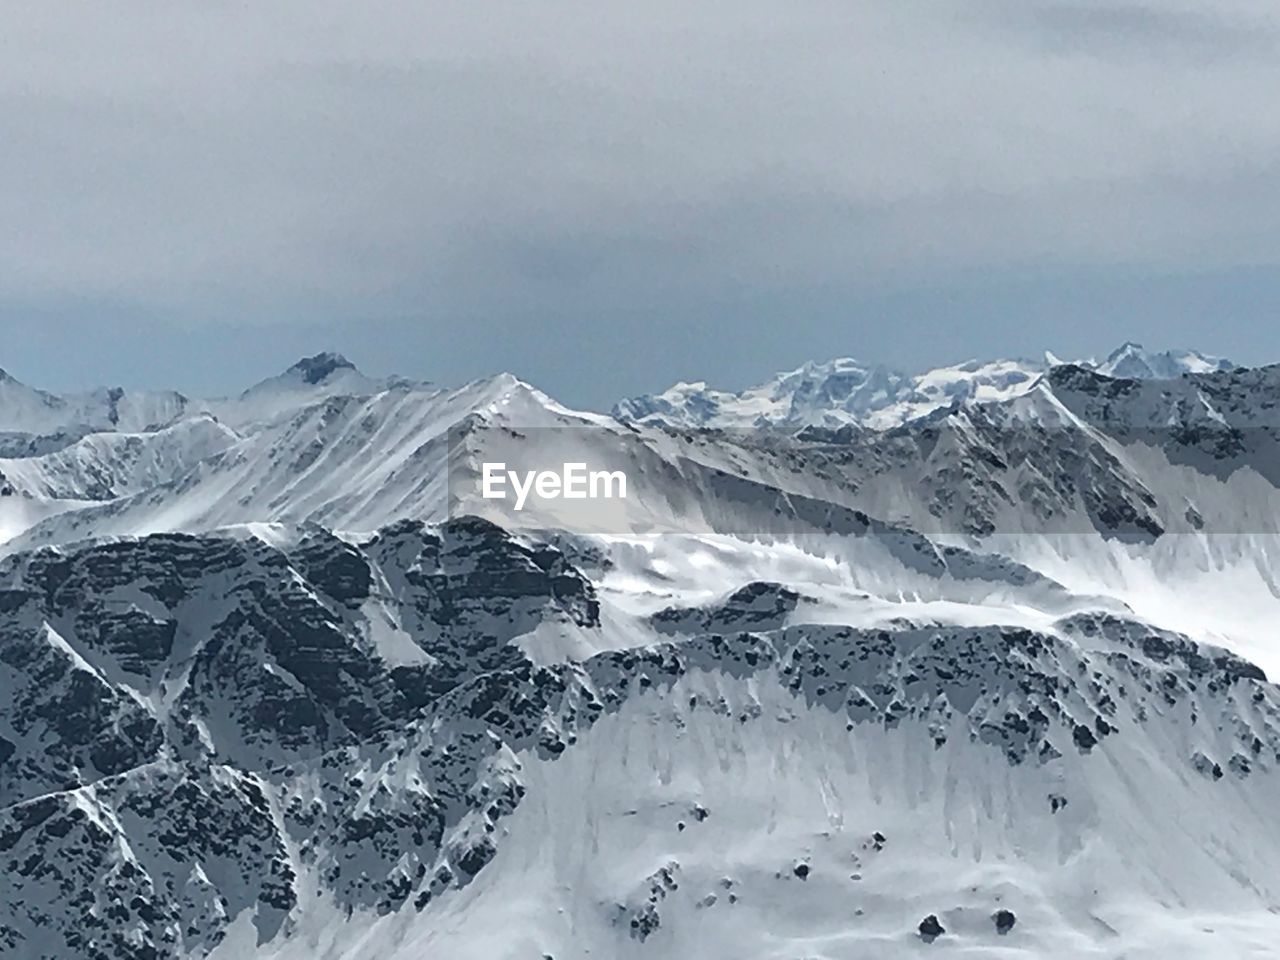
(316, 369)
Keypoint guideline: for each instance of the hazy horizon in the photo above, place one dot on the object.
(605, 199)
(234, 374)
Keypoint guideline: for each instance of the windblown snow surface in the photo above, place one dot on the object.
(967, 663)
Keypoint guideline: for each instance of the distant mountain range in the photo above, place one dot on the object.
(846, 391)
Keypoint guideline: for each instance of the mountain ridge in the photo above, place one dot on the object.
(331, 373)
(989, 679)
(846, 391)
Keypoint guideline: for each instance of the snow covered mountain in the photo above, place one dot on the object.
(209, 452)
(970, 663)
(307, 382)
(245, 743)
(1130, 361)
(348, 461)
(26, 410)
(323, 442)
(831, 394)
(844, 391)
(33, 420)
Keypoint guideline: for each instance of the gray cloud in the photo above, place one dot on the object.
(577, 167)
(1125, 28)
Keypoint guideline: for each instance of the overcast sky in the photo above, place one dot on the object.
(605, 197)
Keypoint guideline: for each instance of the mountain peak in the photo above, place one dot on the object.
(834, 365)
(320, 367)
(1134, 362)
(1127, 349)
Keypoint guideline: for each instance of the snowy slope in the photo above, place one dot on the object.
(1130, 361)
(108, 463)
(680, 826)
(104, 466)
(32, 412)
(59, 451)
(346, 461)
(100, 467)
(310, 380)
(27, 410)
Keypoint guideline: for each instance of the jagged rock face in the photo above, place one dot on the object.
(144, 864)
(1217, 423)
(977, 471)
(756, 606)
(153, 687)
(64, 723)
(191, 725)
(287, 649)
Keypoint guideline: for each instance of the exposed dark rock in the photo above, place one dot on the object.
(930, 929)
(1084, 737)
(757, 606)
(316, 369)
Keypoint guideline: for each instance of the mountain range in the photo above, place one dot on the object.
(970, 662)
(843, 391)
